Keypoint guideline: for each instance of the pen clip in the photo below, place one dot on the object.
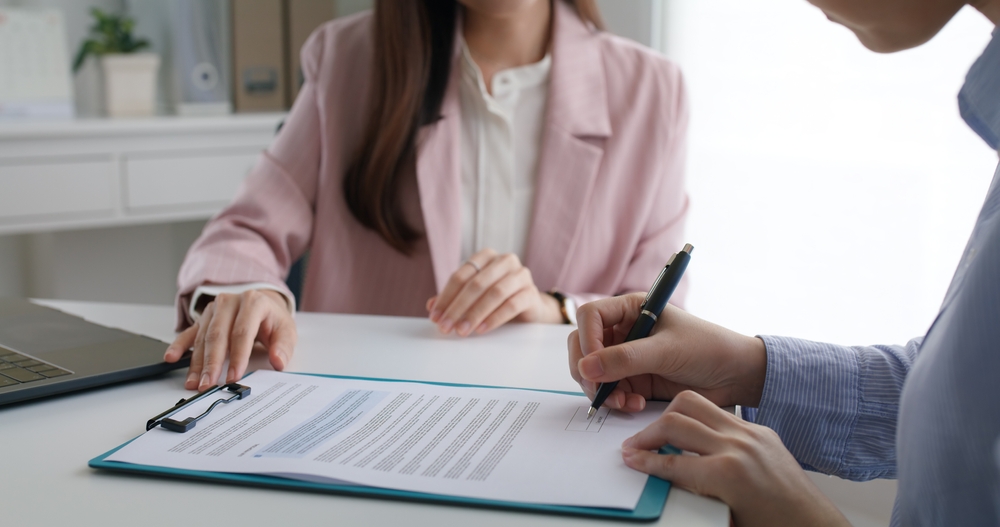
(238, 391)
(656, 282)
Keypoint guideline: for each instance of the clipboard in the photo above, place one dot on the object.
(648, 509)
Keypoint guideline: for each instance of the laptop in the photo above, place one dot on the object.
(45, 352)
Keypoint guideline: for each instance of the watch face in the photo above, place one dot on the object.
(569, 307)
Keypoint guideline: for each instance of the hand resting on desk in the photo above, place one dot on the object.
(488, 291)
(699, 366)
(229, 327)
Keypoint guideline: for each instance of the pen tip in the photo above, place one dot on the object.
(590, 413)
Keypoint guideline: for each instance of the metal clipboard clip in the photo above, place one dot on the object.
(238, 390)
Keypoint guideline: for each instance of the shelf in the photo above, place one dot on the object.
(41, 129)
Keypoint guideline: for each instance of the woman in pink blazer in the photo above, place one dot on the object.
(397, 169)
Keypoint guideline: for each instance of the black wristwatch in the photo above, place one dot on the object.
(566, 305)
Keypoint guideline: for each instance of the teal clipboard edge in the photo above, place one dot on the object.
(649, 507)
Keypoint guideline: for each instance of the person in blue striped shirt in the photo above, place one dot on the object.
(927, 413)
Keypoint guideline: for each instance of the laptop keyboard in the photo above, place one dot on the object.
(16, 368)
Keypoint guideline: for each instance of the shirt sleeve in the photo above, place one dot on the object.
(835, 407)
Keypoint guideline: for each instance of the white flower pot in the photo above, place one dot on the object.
(130, 84)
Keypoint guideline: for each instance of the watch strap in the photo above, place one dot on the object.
(563, 308)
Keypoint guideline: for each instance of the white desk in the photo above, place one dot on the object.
(47, 443)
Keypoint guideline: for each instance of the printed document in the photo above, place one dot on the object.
(487, 443)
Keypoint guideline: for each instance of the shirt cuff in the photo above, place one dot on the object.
(809, 399)
(234, 289)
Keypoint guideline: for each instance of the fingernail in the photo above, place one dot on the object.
(435, 315)
(627, 444)
(481, 328)
(192, 377)
(628, 452)
(231, 376)
(463, 328)
(591, 367)
(205, 381)
(446, 325)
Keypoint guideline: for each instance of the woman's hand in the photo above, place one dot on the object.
(488, 291)
(743, 464)
(229, 327)
(682, 352)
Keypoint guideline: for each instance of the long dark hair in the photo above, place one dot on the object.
(414, 41)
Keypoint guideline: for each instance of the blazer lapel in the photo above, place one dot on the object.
(440, 183)
(576, 124)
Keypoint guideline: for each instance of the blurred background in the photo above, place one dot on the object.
(832, 188)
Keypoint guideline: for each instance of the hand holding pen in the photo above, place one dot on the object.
(697, 366)
(650, 310)
(682, 352)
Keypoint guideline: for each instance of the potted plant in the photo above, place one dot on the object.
(129, 76)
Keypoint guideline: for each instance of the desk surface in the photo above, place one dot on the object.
(48, 442)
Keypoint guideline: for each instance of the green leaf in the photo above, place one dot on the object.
(136, 46)
(111, 33)
(81, 55)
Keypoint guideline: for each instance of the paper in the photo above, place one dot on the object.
(487, 443)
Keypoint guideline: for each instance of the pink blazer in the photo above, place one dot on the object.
(609, 207)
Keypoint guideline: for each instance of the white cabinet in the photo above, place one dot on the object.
(184, 179)
(100, 172)
(31, 192)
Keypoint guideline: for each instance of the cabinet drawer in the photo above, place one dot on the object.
(185, 180)
(56, 188)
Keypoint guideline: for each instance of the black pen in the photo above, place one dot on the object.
(649, 311)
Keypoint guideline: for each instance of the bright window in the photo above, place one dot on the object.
(833, 189)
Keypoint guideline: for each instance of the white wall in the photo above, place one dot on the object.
(832, 188)
(12, 264)
(349, 7)
(638, 20)
(850, 171)
(136, 264)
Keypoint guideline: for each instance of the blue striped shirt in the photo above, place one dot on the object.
(928, 412)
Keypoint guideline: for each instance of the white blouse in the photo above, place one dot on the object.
(501, 140)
